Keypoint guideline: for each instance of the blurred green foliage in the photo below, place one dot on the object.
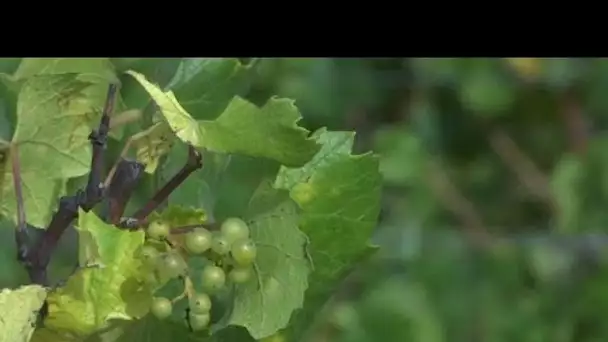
(493, 226)
(495, 180)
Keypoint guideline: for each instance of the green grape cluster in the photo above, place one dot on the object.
(230, 255)
(231, 249)
(169, 263)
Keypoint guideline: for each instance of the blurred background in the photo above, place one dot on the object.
(495, 184)
(495, 181)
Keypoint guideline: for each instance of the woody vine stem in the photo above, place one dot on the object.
(34, 253)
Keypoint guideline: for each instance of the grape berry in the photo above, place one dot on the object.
(220, 245)
(198, 241)
(213, 278)
(198, 321)
(234, 229)
(158, 230)
(244, 252)
(200, 303)
(171, 265)
(229, 253)
(239, 275)
(161, 307)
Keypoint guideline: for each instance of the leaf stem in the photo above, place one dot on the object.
(21, 235)
(189, 290)
(194, 163)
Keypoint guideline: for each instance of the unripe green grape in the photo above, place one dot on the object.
(198, 321)
(213, 278)
(220, 245)
(150, 278)
(161, 307)
(198, 241)
(239, 275)
(171, 265)
(158, 230)
(200, 303)
(149, 255)
(244, 252)
(234, 229)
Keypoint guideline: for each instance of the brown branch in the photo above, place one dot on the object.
(121, 186)
(575, 123)
(39, 257)
(194, 163)
(524, 168)
(459, 205)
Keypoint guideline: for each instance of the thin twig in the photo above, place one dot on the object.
(575, 122)
(194, 163)
(524, 168)
(459, 205)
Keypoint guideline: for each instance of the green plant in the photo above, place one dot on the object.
(239, 203)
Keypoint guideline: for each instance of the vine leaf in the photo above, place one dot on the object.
(264, 305)
(243, 128)
(334, 146)
(18, 312)
(205, 86)
(98, 73)
(151, 144)
(52, 144)
(339, 194)
(56, 102)
(114, 289)
(87, 68)
(269, 132)
(184, 126)
(55, 143)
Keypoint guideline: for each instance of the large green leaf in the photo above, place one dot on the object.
(160, 70)
(334, 145)
(243, 128)
(97, 72)
(339, 194)
(51, 138)
(205, 86)
(265, 304)
(112, 289)
(58, 101)
(96, 68)
(18, 312)
(270, 132)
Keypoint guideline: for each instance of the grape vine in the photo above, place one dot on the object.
(238, 241)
